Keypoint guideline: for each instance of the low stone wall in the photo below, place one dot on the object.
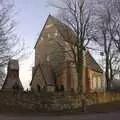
(53, 101)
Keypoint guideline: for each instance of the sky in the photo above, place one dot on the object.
(30, 17)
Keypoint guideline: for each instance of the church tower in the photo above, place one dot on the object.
(12, 80)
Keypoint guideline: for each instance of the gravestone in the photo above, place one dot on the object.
(12, 81)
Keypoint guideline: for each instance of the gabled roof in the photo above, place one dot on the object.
(46, 73)
(91, 63)
(65, 31)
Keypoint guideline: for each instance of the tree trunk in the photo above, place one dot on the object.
(107, 74)
(111, 73)
(79, 68)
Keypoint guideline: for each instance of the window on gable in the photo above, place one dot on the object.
(41, 38)
(48, 26)
(48, 35)
(48, 58)
(56, 33)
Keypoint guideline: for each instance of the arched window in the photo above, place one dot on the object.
(61, 88)
(38, 88)
(99, 82)
(56, 88)
(94, 82)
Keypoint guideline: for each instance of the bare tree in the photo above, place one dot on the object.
(114, 65)
(10, 45)
(74, 33)
(105, 33)
(114, 10)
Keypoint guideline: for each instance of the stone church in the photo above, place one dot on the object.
(53, 68)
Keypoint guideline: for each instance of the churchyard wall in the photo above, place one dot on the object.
(53, 101)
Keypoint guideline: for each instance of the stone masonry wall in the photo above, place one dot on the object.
(53, 101)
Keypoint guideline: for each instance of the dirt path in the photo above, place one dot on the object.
(101, 116)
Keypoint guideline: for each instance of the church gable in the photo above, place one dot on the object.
(92, 64)
(47, 48)
(43, 76)
(48, 29)
(37, 79)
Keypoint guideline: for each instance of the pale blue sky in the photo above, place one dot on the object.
(30, 18)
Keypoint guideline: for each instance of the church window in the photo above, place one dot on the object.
(48, 58)
(41, 38)
(38, 88)
(56, 33)
(99, 83)
(48, 26)
(48, 35)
